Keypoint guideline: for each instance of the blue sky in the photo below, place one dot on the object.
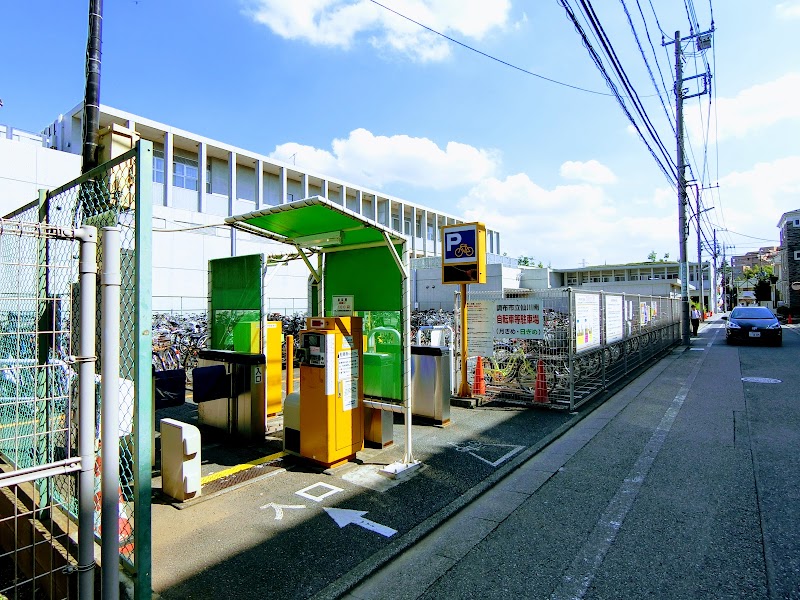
(351, 89)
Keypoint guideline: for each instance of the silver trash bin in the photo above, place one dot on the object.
(430, 383)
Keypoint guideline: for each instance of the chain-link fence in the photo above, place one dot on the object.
(561, 347)
(39, 289)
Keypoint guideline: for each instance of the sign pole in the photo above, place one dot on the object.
(464, 390)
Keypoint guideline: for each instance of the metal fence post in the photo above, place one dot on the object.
(571, 348)
(111, 283)
(86, 410)
(143, 378)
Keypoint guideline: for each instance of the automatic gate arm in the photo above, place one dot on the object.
(395, 255)
(302, 254)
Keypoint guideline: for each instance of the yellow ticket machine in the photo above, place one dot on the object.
(331, 389)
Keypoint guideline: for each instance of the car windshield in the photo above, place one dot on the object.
(754, 312)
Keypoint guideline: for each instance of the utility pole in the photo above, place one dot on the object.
(91, 98)
(714, 279)
(682, 231)
(703, 305)
(703, 42)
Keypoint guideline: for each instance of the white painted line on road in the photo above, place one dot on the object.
(760, 380)
(279, 508)
(346, 516)
(332, 489)
(582, 571)
(473, 448)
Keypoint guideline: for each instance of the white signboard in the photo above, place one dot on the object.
(480, 333)
(330, 375)
(342, 306)
(517, 318)
(587, 321)
(347, 366)
(349, 393)
(614, 319)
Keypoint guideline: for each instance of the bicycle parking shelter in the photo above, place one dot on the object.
(357, 259)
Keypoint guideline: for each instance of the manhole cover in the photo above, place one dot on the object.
(760, 380)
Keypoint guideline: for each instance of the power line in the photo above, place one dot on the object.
(647, 63)
(671, 177)
(489, 56)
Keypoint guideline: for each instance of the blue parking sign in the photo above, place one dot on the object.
(464, 253)
(460, 245)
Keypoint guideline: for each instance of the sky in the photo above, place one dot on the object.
(491, 110)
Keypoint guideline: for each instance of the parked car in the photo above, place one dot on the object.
(753, 324)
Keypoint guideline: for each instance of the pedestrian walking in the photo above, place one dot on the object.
(695, 320)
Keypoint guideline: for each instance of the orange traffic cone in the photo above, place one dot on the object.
(540, 391)
(478, 384)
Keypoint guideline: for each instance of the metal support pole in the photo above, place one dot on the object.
(111, 282)
(86, 410)
(464, 390)
(682, 233)
(703, 304)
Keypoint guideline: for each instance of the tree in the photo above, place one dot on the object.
(666, 256)
(652, 256)
(524, 261)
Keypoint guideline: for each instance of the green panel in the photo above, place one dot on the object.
(345, 275)
(378, 299)
(234, 296)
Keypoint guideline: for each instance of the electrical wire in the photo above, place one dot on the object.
(489, 56)
(668, 168)
(647, 63)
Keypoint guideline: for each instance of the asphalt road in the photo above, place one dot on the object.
(683, 485)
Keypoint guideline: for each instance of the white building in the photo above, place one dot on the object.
(200, 181)
(503, 274)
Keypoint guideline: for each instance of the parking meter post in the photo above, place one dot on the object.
(465, 391)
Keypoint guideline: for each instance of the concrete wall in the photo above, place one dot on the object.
(26, 166)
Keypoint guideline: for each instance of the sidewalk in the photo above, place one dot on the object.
(683, 485)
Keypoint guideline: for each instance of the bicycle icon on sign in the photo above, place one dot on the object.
(464, 250)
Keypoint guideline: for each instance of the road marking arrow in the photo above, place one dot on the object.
(345, 516)
(279, 508)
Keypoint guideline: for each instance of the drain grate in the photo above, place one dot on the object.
(243, 476)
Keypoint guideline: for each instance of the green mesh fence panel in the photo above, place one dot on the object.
(39, 329)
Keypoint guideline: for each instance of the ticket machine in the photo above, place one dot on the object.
(331, 424)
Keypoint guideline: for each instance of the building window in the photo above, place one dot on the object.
(158, 166)
(208, 178)
(418, 231)
(797, 254)
(184, 173)
(407, 227)
(619, 277)
(396, 223)
(430, 232)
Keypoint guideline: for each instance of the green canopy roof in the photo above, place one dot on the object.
(315, 222)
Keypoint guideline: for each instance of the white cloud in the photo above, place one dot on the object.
(591, 172)
(788, 10)
(339, 23)
(754, 200)
(752, 109)
(375, 161)
(568, 224)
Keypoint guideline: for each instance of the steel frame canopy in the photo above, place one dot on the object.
(316, 225)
